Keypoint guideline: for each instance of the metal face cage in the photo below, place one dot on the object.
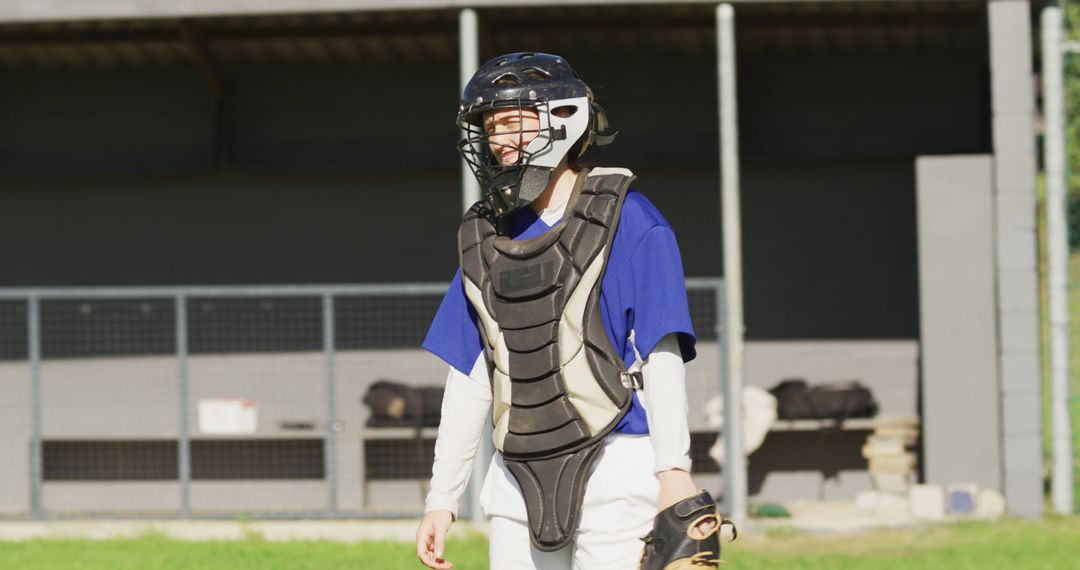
(502, 183)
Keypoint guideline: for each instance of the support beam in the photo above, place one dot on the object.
(1013, 99)
(200, 54)
(54, 11)
(203, 59)
(734, 468)
(468, 54)
(501, 24)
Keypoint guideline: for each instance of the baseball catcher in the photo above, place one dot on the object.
(567, 328)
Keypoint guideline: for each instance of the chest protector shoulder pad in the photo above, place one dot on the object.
(558, 384)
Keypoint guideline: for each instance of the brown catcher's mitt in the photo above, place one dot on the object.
(670, 545)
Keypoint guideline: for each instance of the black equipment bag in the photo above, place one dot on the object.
(834, 400)
(394, 404)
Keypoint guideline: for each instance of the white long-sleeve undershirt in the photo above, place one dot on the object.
(666, 406)
(465, 407)
(467, 403)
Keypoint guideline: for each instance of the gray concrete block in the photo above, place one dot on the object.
(1024, 494)
(991, 503)
(1009, 20)
(1010, 95)
(1020, 331)
(1016, 172)
(349, 463)
(927, 502)
(844, 486)
(15, 430)
(961, 449)
(1015, 130)
(1006, 59)
(1016, 251)
(126, 497)
(283, 495)
(1023, 454)
(1020, 371)
(782, 486)
(1014, 150)
(15, 472)
(1018, 292)
(1021, 412)
(1015, 210)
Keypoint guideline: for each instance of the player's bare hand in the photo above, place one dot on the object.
(431, 539)
(676, 485)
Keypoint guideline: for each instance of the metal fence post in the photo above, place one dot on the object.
(735, 490)
(330, 460)
(469, 60)
(184, 441)
(721, 382)
(1057, 245)
(33, 332)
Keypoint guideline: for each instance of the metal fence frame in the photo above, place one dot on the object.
(179, 295)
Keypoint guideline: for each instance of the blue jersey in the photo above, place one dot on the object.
(643, 290)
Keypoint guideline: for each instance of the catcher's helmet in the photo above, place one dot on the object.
(568, 116)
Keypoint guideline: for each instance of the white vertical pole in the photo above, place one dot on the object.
(1057, 258)
(469, 55)
(735, 490)
(470, 193)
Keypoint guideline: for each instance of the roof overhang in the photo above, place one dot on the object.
(71, 10)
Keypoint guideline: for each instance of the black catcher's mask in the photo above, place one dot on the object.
(527, 82)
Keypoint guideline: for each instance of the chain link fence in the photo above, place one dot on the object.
(221, 402)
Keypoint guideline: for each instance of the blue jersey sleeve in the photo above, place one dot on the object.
(660, 305)
(454, 335)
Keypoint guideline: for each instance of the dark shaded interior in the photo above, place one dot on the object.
(313, 166)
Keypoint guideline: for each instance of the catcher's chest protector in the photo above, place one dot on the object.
(558, 384)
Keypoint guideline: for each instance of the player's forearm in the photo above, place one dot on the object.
(666, 405)
(465, 406)
(675, 485)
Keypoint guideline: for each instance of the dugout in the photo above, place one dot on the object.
(148, 147)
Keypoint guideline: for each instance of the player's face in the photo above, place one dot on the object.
(509, 131)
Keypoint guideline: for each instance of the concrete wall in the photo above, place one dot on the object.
(15, 429)
(959, 328)
(135, 398)
(1017, 264)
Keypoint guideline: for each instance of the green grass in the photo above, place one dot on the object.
(159, 553)
(1049, 544)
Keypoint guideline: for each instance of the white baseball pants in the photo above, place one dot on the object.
(618, 510)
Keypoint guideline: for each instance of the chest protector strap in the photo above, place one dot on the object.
(558, 384)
